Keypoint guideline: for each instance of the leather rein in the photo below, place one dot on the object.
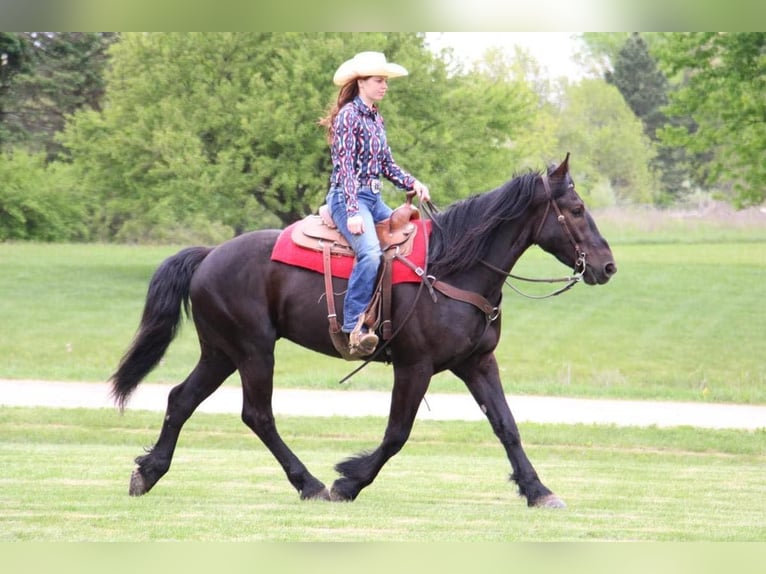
(580, 255)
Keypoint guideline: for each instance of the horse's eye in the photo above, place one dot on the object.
(578, 211)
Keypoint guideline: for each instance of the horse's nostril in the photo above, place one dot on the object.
(610, 268)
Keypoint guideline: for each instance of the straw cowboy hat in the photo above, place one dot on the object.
(366, 64)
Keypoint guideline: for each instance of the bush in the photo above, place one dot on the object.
(39, 201)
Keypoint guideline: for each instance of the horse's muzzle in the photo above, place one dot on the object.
(600, 275)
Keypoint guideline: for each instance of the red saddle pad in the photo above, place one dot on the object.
(285, 251)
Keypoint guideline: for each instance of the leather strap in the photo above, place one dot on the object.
(338, 337)
(559, 217)
(419, 271)
(492, 312)
(478, 301)
(332, 316)
(385, 288)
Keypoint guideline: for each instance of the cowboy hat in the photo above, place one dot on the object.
(366, 64)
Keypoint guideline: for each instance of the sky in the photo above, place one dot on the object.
(554, 51)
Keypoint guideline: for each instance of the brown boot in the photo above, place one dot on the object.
(362, 342)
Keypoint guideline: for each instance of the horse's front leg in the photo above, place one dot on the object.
(410, 384)
(481, 375)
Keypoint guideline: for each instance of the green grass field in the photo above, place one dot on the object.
(683, 319)
(65, 476)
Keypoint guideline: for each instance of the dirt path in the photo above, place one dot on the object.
(372, 403)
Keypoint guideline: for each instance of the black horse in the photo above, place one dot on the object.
(242, 302)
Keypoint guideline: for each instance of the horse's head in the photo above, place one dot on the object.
(567, 230)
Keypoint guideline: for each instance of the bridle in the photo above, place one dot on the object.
(580, 255)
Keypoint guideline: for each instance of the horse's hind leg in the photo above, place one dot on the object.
(481, 376)
(257, 384)
(183, 399)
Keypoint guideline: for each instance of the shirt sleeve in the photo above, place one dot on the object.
(394, 173)
(388, 167)
(344, 152)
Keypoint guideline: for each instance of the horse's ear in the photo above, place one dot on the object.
(562, 169)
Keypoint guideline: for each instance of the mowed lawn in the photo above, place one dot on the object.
(65, 476)
(682, 320)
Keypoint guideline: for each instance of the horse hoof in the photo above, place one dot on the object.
(549, 501)
(322, 494)
(336, 496)
(137, 484)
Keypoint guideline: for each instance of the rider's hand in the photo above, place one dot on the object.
(422, 191)
(355, 225)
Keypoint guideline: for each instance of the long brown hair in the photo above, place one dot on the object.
(347, 93)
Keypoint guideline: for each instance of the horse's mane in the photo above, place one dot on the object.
(461, 235)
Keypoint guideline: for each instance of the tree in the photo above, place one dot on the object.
(528, 96)
(14, 59)
(36, 200)
(55, 75)
(224, 127)
(724, 91)
(610, 152)
(645, 89)
(467, 132)
(221, 125)
(161, 152)
(601, 51)
(641, 83)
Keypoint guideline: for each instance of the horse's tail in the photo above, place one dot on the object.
(168, 290)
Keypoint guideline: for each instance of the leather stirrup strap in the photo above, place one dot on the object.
(332, 316)
(338, 338)
(385, 294)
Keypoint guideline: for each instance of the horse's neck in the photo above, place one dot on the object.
(508, 245)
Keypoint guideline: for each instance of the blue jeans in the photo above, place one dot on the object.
(361, 284)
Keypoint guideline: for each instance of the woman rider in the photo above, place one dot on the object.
(360, 156)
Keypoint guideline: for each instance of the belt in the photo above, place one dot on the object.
(373, 184)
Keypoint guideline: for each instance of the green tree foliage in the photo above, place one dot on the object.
(641, 83)
(176, 136)
(15, 58)
(36, 200)
(724, 91)
(645, 89)
(196, 137)
(224, 127)
(601, 50)
(524, 98)
(44, 77)
(469, 132)
(55, 74)
(610, 152)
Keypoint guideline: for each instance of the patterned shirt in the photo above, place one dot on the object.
(360, 153)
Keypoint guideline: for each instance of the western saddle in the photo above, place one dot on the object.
(396, 235)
